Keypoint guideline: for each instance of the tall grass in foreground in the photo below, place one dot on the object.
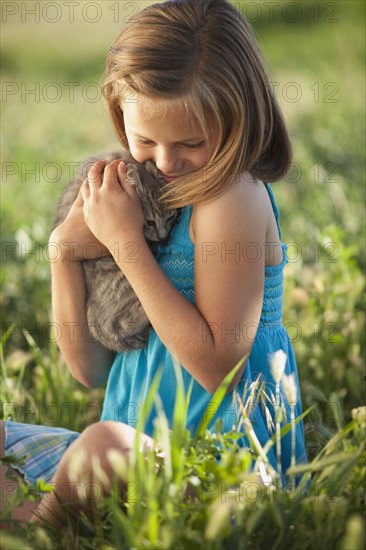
(179, 495)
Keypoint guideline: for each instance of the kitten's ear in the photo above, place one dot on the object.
(135, 177)
(152, 169)
(124, 155)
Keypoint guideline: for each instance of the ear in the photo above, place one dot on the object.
(152, 169)
(135, 177)
(125, 155)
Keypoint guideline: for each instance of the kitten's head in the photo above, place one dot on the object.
(148, 184)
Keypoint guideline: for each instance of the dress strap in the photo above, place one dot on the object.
(183, 225)
(274, 206)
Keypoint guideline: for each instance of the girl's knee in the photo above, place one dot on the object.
(90, 457)
(86, 465)
(110, 434)
(89, 452)
(106, 434)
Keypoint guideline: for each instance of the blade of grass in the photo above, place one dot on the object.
(122, 528)
(319, 465)
(217, 398)
(3, 341)
(137, 464)
(179, 432)
(285, 429)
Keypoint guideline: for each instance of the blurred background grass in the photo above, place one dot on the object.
(315, 55)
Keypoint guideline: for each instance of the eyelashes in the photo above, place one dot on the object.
(185, 145)
(194, 145)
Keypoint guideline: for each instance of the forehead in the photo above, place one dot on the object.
(139, 109)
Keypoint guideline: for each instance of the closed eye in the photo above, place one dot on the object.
(193, 145)
(147, 143)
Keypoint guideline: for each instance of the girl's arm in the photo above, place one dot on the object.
(210, 337)
(88, 361)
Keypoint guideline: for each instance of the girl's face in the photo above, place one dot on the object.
(161, 133)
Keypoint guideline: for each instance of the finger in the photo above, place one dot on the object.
(110, 178)
(85, 212)
(79, 199)
(124, 180)
(122, 171)
(122, 175)
(84, 191)
(95, 174)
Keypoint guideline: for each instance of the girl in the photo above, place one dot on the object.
(186, 88)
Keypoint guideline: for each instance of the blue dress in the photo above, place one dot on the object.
(132, 373)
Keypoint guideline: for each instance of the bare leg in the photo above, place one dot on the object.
(87, 451)
(8, 488)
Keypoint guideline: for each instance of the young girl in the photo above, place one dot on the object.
(186, 88)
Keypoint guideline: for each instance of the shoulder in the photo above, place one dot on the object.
(229, 262)
(242, 208)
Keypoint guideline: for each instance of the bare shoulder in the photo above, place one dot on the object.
(229, 260)
(243, 208)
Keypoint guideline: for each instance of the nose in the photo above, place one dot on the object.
(168, 161)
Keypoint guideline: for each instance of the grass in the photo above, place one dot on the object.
(190, 499)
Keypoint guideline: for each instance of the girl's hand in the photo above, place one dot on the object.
(72, 240)
(112, 208)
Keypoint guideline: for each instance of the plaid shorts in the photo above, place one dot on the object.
(41, 446)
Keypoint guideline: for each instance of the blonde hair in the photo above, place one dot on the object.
(203, 55)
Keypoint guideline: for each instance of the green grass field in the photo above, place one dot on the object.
(52, 117)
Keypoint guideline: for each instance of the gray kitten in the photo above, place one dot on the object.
(115, 315)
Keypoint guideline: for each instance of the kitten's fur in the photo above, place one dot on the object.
(115, 315)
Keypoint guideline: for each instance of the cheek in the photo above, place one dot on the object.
(200, 159)
(138, 154)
